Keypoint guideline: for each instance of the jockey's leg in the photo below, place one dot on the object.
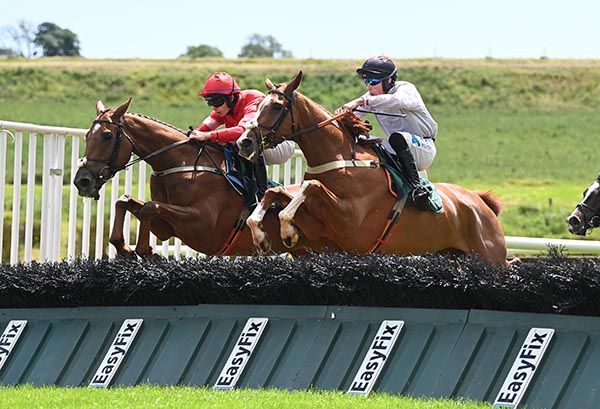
(420, 195)
(123, 205)
(260, 171)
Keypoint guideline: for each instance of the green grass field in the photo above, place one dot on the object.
(525, 129)
(187, 397)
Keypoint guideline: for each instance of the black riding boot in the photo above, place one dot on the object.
(260, 172)
(419, 194)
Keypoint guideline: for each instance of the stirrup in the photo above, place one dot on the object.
(420, 197)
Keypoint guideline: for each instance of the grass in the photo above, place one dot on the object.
(189, 397)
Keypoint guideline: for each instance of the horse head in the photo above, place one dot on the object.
(587, 212)
(275, 121)
(107, 150)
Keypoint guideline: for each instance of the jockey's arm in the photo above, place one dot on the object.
(406, 97)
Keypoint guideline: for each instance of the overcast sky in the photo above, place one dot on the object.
(324, 29)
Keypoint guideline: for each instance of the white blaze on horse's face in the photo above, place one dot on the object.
(246, 145)
(590, 190)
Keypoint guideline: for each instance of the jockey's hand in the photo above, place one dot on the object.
(199, 136)
(349, 106)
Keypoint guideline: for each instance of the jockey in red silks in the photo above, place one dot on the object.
(234, 109)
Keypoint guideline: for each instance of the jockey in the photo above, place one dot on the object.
(412, 136)
(234, 109)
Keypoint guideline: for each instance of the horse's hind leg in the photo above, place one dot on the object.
(123, 205)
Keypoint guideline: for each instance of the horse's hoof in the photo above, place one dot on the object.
(290, 241)
(264, 247)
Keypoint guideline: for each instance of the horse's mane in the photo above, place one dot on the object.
(355, 126)
(158, 121)
(351, 124)
(217, 146)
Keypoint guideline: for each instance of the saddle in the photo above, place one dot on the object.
(397, 181)
(241, 174)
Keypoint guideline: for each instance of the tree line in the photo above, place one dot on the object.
(49, 40)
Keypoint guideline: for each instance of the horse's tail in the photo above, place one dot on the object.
(492, 201)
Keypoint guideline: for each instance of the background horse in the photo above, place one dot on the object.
(587, 212)
(346, 199)
(190, 197)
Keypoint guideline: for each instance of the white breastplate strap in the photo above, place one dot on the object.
(340, 164)
(185, 169)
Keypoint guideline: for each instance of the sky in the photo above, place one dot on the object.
(324, 29)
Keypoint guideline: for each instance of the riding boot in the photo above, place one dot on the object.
(419, 195)
(260, 172)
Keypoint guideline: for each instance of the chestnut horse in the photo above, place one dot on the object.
(586, 214)
(190, 196)
(345, 196)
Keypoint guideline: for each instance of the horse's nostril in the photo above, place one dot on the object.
(573, 221)
(83, 182)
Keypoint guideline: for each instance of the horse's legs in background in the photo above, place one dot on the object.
(311, 190)
(311, 227)
(123, 205)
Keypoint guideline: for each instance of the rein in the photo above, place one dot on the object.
(288, 109)
(117, 146)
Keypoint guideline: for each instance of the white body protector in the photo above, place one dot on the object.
(418, 126)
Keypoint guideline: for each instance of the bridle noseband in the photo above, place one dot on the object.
(594, 220)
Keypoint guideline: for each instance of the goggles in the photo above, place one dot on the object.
(375, 81)
(216, 101)
(372, 81)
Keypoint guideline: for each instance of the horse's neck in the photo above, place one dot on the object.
(325, 144)
(150, 136)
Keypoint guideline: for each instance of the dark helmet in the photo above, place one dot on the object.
(379, 67)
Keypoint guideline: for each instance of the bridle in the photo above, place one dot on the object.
(594, 220)
(108, 171)
(269, 138)
(102, 175)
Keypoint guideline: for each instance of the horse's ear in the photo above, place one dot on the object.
(100, 107)
(294, 84)
(270, 86)
(120, 111)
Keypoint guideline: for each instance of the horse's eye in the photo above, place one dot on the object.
(107, 135)
(277, 107)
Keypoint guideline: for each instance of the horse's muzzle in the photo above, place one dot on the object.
(576, 224)
(245, 148)
(85, 183)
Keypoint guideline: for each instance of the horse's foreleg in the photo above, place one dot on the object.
(319, 215)
(123, 205)
(289, 233)
(260, 238)
(154, 217)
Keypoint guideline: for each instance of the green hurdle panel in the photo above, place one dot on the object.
(438, 353)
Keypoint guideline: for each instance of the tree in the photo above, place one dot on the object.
(263, 46)
(56, 41)
(202, 50)
(22, 37)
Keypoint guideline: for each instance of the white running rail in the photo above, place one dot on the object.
(37, 229)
